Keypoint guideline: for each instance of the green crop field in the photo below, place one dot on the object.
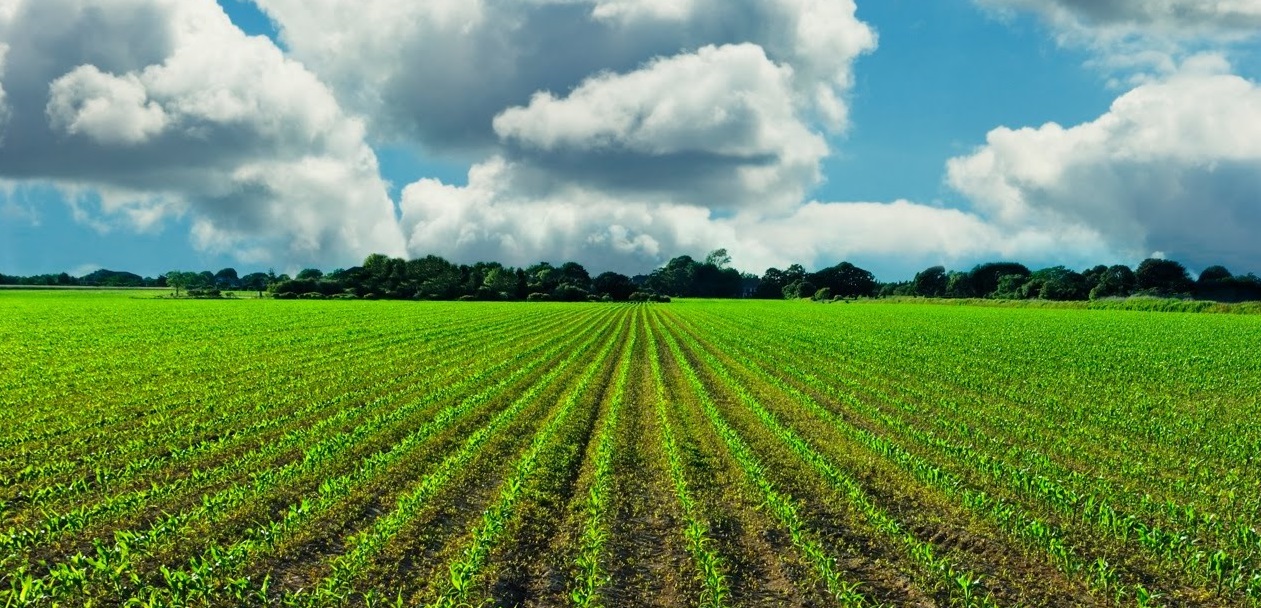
(260, 452)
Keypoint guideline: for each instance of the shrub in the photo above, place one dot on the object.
(209, 292)
(569, 293)
(538, 297)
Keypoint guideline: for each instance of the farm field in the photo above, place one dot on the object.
(698, 453)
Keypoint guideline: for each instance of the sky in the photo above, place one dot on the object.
(151, 135)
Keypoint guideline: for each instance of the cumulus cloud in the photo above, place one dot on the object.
(1173, 166)
(155, 108)
(439, 72)
(674, 118)
(1142, 38)
(723, 116)
(108, 109)
(490, 219)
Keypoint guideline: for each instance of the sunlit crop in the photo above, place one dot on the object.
(698, 453)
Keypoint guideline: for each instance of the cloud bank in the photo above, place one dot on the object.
(145, 109)
(681, 127)
(490, 219)
(1173, 166)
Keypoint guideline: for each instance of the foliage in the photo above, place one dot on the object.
(1163, 278)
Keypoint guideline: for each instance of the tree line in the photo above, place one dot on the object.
(1012, 281)
(435, 278)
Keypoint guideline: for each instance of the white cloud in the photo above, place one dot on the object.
(1142, 39)
(673, 120)
(1174, 165)
(1177, 18)
(439, 72)
(490, 220)
(108, 109)
(724, 113)
(633, 10)
(160, 108)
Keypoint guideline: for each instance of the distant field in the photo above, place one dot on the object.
(260, 452)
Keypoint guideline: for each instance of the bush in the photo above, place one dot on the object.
(799, 289)
(286, 296)
(822, 295)
(344, 296)
(312, 295)
(641, 296)
(569, 293)
(538, 297)
(661, 299)
(210, 292)
(467, 298)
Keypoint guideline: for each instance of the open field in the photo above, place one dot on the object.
(711, 453)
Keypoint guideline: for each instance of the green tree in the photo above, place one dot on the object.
(799, 289)
(227, 278)
(931, 282)
(718, 258)
(771, 285)
(846, 280)
(1213, 274)
(179, 279)
(985, 277)
(959, 285)
(1163, 277)
(255, 281)
(1056, 283)
(1114, 282)
(1014, 287)
(502, 281)
(618, 286)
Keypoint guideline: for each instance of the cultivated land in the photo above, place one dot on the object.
(254, 452)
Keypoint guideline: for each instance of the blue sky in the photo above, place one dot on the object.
(942, 76)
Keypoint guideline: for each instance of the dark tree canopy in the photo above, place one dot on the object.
(683, 276)
(959, 285)
(1214, 274)
(771, 286)
(985, 277)
(1114, 282)
(310, 274)
(434, 278)
(931, 282)
(1163, 277)
(846, 280)
(617, 286)
(1056, 283)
